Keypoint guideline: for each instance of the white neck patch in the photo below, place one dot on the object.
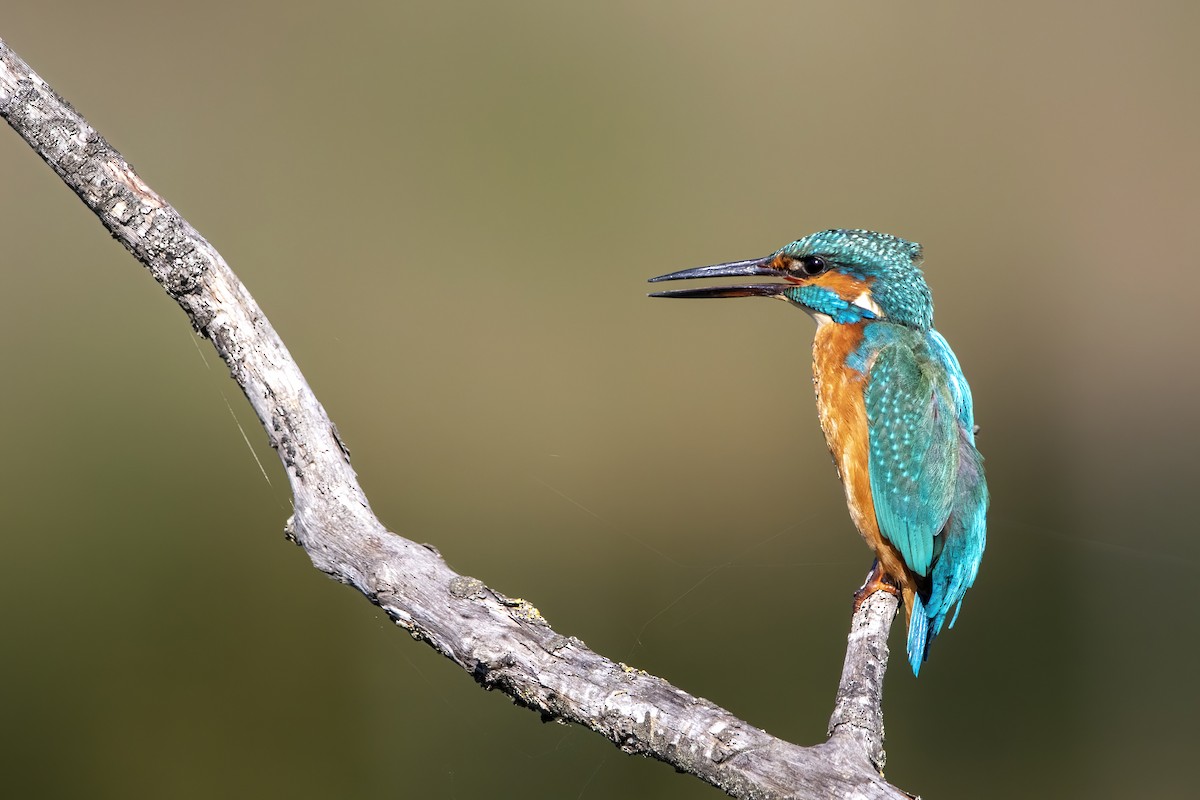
(864, 301)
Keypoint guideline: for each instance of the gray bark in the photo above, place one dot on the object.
(504, 643)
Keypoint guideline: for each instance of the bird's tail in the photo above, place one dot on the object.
(924, 624)
(920, 633)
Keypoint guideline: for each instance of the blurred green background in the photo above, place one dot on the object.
(448, 211)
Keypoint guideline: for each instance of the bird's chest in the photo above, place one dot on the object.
(842, 410)
(839, 389)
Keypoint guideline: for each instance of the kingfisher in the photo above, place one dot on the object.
(895, 409)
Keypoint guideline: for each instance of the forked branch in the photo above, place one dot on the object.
(503, 642)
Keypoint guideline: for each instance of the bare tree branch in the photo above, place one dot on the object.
(503, 642)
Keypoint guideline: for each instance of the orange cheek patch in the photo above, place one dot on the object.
(843, 285)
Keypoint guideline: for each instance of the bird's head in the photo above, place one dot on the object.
(843, 276)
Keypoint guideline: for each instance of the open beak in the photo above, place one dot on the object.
(734, 269)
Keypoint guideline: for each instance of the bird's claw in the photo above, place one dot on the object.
(877, 581)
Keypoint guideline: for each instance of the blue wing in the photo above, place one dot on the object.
(913, 436)
(927, 478)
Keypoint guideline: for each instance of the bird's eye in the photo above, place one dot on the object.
(812, 265)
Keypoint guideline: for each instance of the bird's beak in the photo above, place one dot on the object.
(734, 269)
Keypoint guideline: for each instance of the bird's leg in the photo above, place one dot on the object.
(877, 581)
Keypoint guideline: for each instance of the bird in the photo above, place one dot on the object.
(895, 408)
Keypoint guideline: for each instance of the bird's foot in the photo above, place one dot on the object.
(877, 581)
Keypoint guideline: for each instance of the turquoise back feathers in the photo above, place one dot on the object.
(926, 475)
